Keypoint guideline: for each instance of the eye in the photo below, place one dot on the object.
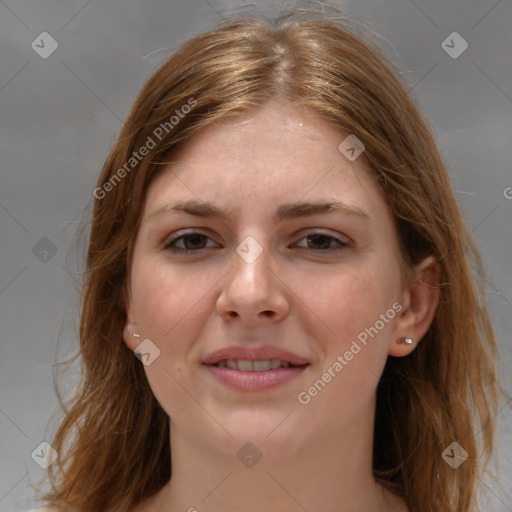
(323, 242)
(191, 242)
(195, 241)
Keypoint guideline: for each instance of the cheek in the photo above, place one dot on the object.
(348, 302)
(163, 299)
(357, 307)
(165, 302)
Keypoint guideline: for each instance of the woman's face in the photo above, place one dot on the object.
(322, 285)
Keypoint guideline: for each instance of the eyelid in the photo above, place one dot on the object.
(181, 234)
(178, 235)
(342, 239)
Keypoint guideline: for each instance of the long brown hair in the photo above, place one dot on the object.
(113, 442)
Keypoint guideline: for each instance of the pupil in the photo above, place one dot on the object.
(195, 239)
(317, 241)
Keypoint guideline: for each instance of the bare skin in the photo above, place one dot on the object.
(310, 295)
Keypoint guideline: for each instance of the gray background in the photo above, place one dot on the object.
(60, 116)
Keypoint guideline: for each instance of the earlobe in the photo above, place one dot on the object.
(131, 334)
(131, 337)
(422, 298)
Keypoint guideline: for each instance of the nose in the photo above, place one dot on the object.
(253, 292)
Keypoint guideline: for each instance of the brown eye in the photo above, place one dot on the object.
(322, 242)
(191, 242)
(195, 241)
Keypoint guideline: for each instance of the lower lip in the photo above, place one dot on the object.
(254, 381)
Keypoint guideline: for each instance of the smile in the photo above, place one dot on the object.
(245, 375)
(245, 365)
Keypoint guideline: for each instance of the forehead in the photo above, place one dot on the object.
(292, 133)
(274, 155)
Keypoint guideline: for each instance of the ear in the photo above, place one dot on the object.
(419, 302)
(131, 334)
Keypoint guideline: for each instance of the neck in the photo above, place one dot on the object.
(333, 473)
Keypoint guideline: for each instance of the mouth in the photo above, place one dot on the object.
(254, 368)
(255, 358)
(254, 375)
(246, 365)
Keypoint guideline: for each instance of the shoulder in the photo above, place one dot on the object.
(50, 508)
(45, 509)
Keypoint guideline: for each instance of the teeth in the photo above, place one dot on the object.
(260, 366)
(244, 365)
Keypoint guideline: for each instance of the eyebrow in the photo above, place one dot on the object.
(283, 212)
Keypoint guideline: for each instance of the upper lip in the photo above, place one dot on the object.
(262, 353)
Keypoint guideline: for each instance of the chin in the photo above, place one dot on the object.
(274, 434)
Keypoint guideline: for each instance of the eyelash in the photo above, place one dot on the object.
(170, 244)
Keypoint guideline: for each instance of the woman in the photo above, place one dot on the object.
(275, 238)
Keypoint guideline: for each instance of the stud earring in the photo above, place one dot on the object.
(135, 335)
(407, 341)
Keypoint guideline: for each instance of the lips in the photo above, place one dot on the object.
(264, 353)
(253, 369)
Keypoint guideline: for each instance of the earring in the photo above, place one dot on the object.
(407, 341)
(135, 335)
